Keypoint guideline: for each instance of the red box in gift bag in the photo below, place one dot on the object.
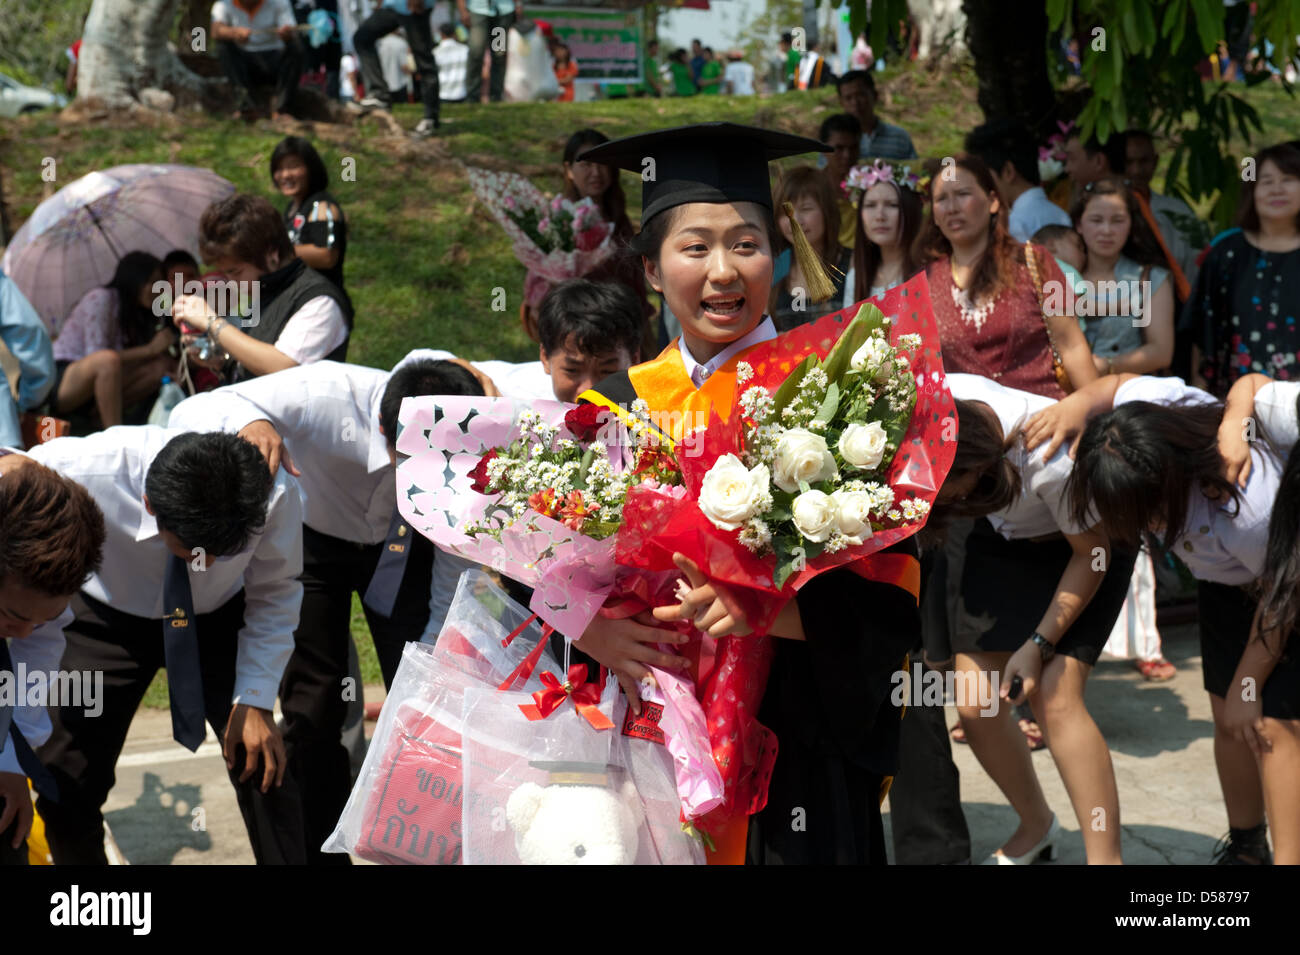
(413, 813)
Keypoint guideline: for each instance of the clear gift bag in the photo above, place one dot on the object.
(554, 789)
(406, 806)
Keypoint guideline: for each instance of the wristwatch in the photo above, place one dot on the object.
(1045, 646)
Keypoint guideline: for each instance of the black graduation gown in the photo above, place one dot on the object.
(828, 701)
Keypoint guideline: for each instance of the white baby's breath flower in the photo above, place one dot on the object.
(744, 372)
(755, 535)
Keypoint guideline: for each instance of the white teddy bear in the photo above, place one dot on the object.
(565, 824)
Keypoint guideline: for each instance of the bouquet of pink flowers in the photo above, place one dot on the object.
(554, 237)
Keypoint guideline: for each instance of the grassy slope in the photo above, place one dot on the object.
(423, 261)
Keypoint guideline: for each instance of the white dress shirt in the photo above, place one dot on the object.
(1221, 543)
(700, 372)
(1031, 211)
(313, 331)
(328, 415)
(111, 465)
(1276, 411)
(452, 58)
(41, 651)
(1043, 506)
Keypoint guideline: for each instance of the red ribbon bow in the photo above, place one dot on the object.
(585, 696)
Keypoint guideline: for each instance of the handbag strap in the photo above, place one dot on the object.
(1031, 261)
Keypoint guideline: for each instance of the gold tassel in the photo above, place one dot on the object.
(820, 287)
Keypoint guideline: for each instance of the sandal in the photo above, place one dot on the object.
(1157, 670)
(1033, 735)
(957, 733)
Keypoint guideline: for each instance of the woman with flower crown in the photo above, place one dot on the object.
(889, 211)
(805, 754)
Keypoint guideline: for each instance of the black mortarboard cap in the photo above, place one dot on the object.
(706, 162)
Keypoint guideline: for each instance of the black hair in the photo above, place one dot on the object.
(1279, 584)
(424, 376)
(855, 76)
(1115, 149)
(135, 271)
(1137, 133)
(447, 29)
(613, 204)
(179, 257)
(318, 179)
(1053, 231)
(597, 317)
(211, 490)
(981, 449)
(1141, 246)
(1286, 156)
(787, 37)
(1137, 465)
(840, 123)
(1004, 140)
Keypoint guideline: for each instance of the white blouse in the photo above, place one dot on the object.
(1225, 544)
(1043, 507)
(1275, 410)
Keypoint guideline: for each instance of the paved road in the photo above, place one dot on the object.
(1160, 737)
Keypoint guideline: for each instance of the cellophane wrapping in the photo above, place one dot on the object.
(406, 806)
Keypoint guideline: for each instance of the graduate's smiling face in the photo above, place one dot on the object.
(715, 270)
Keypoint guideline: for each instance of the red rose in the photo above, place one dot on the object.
(479, 475)
(584, 422)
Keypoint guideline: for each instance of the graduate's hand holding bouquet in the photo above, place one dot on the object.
(804, 476)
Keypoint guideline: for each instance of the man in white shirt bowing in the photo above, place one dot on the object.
(202, 555)
(51, 539)
(339, 424)
(288, 314)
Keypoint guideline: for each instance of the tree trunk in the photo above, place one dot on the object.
(124, 52)
(1008, 40)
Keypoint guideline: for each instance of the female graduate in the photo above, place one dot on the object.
(1152, 459)
(706, 246)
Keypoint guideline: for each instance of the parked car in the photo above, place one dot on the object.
(15, 98)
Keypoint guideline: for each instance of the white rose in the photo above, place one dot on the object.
(815, 515)
(731, 493)
(863, 445)
(853, 514)
(801, 456)
(871, 356)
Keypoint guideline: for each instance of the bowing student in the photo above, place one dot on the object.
(706, 246)
(51, 539)
(202, 554)
(1048, 630)
(339, 423)
(1150, 456)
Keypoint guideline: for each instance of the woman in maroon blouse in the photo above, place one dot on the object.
(984, 298)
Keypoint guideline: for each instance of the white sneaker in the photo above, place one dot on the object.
(368, 105)
(426, 127)
(1045, 850)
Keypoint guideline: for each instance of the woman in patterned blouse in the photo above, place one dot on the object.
(1243, 314)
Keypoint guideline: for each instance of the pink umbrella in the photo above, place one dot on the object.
(74, 239)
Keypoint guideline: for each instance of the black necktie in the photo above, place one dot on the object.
(381, 595)
(181, 652)
(35, 770)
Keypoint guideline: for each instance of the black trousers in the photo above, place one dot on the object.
(925, 814)
(82, 751)
(315, 691)
(420, 37)
(245, 69)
